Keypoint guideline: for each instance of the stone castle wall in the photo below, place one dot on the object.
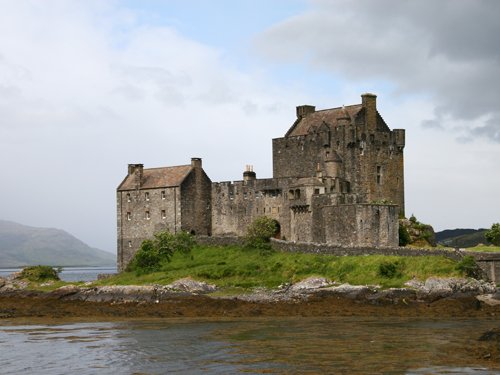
(141, 213)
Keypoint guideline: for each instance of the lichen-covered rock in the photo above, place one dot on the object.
(434, 287)
(190, 285)
(311, 283)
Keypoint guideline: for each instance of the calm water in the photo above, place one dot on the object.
(250, 346)
(70, 273)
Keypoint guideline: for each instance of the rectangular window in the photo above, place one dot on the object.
(146, 195)
(128, 197)
(147, 216)
(163, 214)
(163, 195)
(129, 243)
(379, 174)
(129, 216)
(316, 191)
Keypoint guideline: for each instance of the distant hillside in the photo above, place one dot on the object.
(22, 245)
(461, 237)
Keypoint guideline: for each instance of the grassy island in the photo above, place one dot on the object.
(243, 267)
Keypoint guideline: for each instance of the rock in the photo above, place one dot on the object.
(434, 288)
(2, 282)
(64, 291)
(352, 291)
(491, 335)
(490, 299)
(311, 283)
(118, 293)
(191, 286)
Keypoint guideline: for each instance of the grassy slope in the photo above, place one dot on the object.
(237, 267)
(485, 249)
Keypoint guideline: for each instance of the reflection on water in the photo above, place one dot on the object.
(278, 346)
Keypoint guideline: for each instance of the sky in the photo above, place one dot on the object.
(87, 87)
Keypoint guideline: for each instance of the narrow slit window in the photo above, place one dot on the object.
(128, 198)
(163, 214)
(379, 175)
(147, 215)
(129, 216)
(146, 195)
(129, 243)
(163, 195)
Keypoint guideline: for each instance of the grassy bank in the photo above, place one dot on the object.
(484, 249)
(247, 268)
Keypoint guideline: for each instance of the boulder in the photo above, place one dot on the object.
(190, 285)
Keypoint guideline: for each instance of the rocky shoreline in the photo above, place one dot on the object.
(436, 297)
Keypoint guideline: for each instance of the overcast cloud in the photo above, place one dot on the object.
(448, 50)
(87, 87)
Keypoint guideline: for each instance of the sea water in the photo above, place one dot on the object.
(329, 345)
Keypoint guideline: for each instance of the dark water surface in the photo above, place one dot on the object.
(332, 345)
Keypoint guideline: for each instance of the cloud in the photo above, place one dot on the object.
(447, 50)
(85, 89)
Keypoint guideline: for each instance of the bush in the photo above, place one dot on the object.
(389, 270)
(493, 234)
(40, 273)
(404, 236)
(153, 253)
(469, 267)
(259, 233)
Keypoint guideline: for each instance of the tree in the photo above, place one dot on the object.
(260, 231)
(493, 234)
(160, 249)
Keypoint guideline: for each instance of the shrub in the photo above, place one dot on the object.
(389, 270)
(40, 273)
(404, 236)
(493, 234)
(153, 253)
(469, 267)
(260, 231)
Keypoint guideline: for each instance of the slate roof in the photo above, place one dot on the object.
(329, 116)
(158, 177)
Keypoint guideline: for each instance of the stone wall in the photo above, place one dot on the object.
(196, 201)
(361, 225)
(140, 214)
(316, 248)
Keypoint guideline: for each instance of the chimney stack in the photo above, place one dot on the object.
(303, 110)
(369, 103)
(136, 170)
(249, 174)
(196, 162)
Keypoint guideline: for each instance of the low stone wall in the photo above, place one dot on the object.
(219, 240)
(314, 248)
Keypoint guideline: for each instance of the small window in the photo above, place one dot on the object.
(129, 216)
(316, 191)
(297, 193)
(146, 195)
(129, 243)
(163, 195)
(163, 214)
(147, 215)
(379, 174)
(128, 197)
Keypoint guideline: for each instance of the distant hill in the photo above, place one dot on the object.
(22, 245)
(461, 237)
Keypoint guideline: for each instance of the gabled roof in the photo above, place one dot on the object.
(329, 116)
(158, 177)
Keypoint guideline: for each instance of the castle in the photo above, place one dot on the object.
(338, 178)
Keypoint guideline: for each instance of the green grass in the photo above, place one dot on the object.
(236, 267)
(484, 249)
